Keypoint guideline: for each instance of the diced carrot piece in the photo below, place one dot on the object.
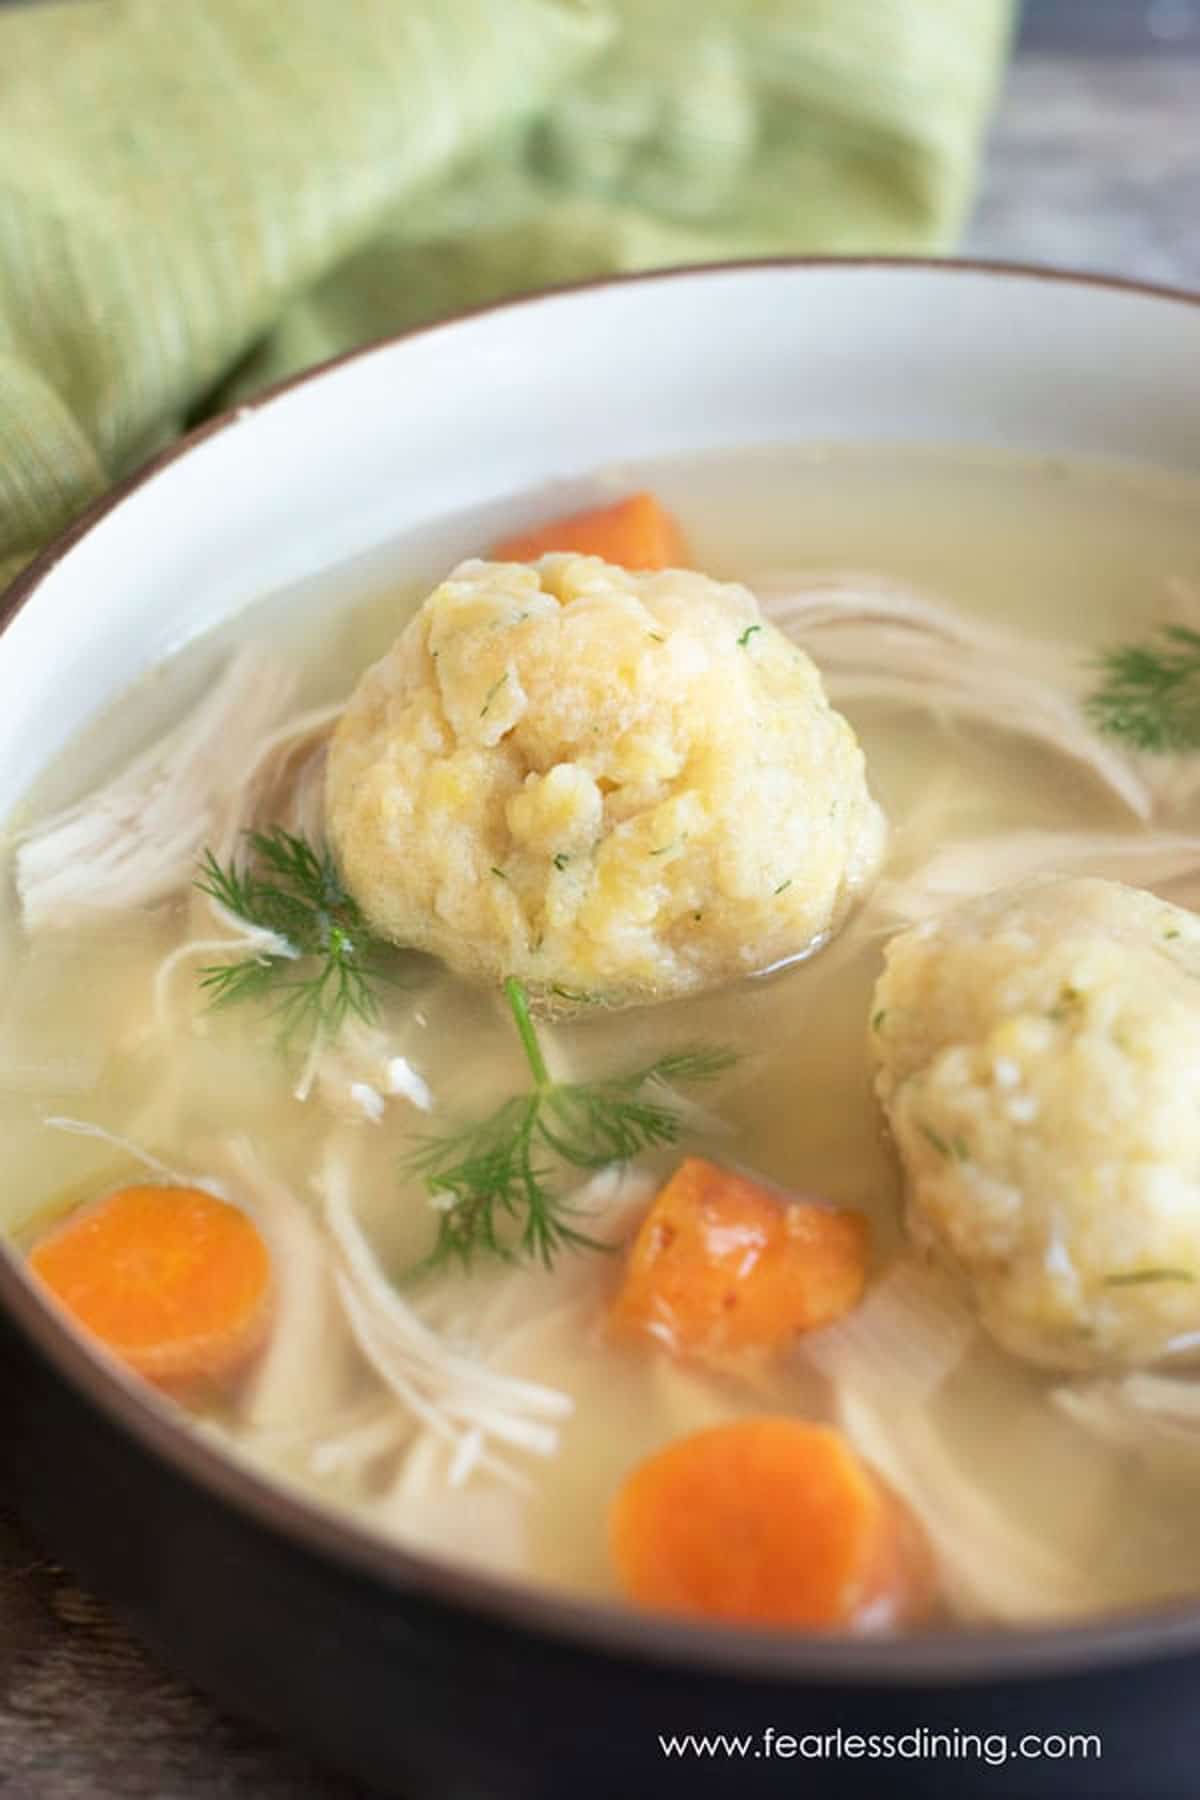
(638, 533)
(721, 1263)
(170, 1279)
(769, 1521)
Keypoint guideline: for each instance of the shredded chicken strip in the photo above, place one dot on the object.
(283, 783)
(1155, 1418)
(879, 641)
(163, 1172)
(885, 1362)
(434, 1509)
(282, 786)
(134, 841)
(308, 1373)
(451, 1392)
(447, 1353)
(1152, 859)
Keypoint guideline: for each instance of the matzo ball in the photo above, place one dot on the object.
(607, 784)
(1039, 1064)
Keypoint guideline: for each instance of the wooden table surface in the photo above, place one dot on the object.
(1094, 161)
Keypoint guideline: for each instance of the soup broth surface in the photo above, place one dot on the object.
(90, 1030)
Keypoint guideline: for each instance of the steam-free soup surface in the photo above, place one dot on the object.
(1031, 1509)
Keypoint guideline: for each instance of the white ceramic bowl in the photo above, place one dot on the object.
(387, 1664)
(450, 419)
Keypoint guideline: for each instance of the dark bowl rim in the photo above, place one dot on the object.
(950, 1656)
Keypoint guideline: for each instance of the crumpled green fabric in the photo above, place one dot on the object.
(199, 196)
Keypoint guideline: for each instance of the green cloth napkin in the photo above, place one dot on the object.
(198, 196)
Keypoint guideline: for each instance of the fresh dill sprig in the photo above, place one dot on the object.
(492, 1182)
(331, 964)
(1150, 693)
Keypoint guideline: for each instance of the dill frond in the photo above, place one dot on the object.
(331, 966)
(492, 1182)
(1149, 694)
(250, 979)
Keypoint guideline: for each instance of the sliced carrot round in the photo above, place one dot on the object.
(636, 532)
(768, 1521)
(170, 1279)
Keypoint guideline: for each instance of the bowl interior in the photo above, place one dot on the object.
(419, 438)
